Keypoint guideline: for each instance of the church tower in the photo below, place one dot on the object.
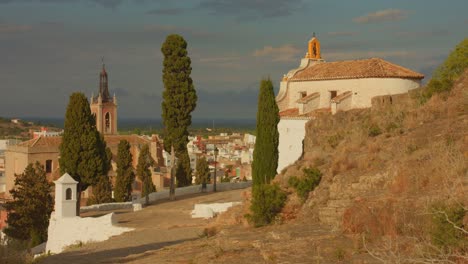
(104, 107)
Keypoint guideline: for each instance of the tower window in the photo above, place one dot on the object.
(68, 194)
(48, 166)
(107, 120)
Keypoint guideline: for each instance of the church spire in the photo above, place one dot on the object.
(103, 84)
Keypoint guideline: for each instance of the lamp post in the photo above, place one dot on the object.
(216, 151)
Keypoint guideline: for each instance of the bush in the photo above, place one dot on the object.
(445, 234)
(267, 202)
(334, 140)
(305, 185)
(374, 130)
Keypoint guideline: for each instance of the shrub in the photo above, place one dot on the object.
(303, 186)
(446, 234)
(374, 130)
(267, 202)
(334, 140)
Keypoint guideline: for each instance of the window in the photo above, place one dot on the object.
(332, 94)
(48, 166)
(68, 194)
(303, 94)
(107, 118)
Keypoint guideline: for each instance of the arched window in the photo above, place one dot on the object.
(107, 119)
(68, 194)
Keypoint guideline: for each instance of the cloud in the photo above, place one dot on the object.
(167, 11)
(283, 53)
(423, 34)
(337, 56)
(10, 28)
(104, 3)
(177, 29)
(382, 16)
(249, 9)
(342, 34)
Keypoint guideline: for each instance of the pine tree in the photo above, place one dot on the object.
(83, 149)
(265, 156)
(179, 100)
(32, 204)
(125, 174)
(145, 161)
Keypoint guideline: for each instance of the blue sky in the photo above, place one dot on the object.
(51, 48)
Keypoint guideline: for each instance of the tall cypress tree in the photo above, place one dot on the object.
(102, 191)
(32, 204)
(83, 149)
(145, 161)
(179, 100)
(265, 156)
(125, 174)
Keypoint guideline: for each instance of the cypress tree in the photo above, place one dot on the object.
(203, 171)
(265, 156)
(83, 149)
(179, 100)
(32, 204)
(125, 174)
(145, 161)
(102, 191)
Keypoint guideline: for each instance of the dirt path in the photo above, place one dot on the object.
(157, 226)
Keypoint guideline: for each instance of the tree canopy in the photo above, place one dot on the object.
(83, 149)
(125, 173)
(145, 161)
(265, 156)
(179, 101)
(29, 210)
(444, 76)
(203, 171)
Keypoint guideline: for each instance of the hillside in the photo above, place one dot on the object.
(387, 171)
(19, 130)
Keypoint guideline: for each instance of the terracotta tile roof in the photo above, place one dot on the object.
(341, 97)
(294, 113)
(132, 139)
(289, 112)
(307, 98)
(42, 142)
(111, 140)
(367, 68)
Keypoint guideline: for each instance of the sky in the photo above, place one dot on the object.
(52, 48)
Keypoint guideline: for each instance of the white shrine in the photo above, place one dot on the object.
(66, 228)
(65, 196)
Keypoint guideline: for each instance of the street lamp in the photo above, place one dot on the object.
(216, 151)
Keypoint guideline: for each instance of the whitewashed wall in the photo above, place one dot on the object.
(291, 134)
(363, 90)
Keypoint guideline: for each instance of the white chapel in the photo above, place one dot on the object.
(320, 86)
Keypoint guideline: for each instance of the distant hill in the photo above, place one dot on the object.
(20, 129)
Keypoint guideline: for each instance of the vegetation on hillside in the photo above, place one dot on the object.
(30, 209)
(445, 75)
(307, 183)
(83, 152)
(125, 174)
(179, 100)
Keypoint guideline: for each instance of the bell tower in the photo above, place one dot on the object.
(104, 107)
(314, 49)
